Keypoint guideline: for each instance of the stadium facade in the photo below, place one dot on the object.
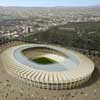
(70, 70)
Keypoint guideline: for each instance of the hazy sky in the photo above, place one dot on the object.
(49, 2)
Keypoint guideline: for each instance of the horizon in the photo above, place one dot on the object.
(52, 6)
(49, 3)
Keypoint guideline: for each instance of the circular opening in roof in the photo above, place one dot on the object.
(53, 58)
(44, 55)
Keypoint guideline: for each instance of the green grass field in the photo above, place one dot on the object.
(44, 60)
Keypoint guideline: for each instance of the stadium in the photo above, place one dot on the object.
(47, 66)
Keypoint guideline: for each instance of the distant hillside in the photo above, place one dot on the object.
(27, 12)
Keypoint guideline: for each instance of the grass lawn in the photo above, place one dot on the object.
(44, 60)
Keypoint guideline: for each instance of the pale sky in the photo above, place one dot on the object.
(43, 3)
